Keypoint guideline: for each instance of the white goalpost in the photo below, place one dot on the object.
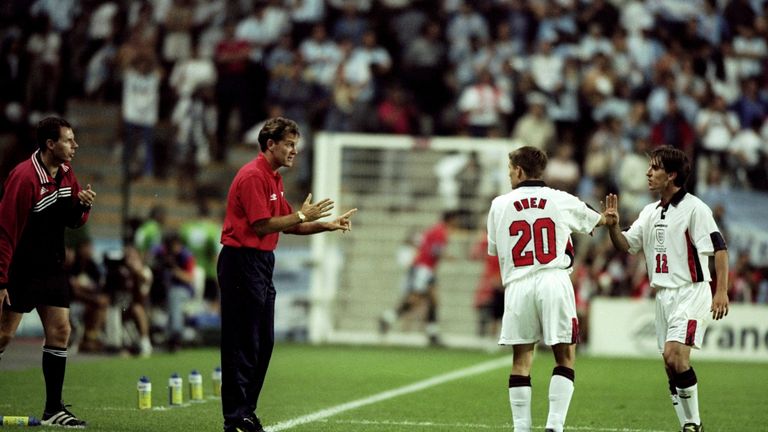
(401, 185)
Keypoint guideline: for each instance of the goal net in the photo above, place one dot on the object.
(401, 186)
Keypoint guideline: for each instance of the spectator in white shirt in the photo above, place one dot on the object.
(747, 151)
(716, 126)
(262, 28)
(140, 107)
(546, 67)
(322, 56)
(750, 50)
(484, 106)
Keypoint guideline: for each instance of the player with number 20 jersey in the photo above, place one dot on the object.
(529, 229)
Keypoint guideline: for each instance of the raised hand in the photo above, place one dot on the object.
(317, 210)
(611, 210)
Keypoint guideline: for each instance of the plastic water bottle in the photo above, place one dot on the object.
(144, 388)
(175, 390)
(19, 421)
(216, 380)
(195, 386)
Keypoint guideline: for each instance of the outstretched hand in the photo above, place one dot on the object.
(317, 210)
(344, 222)
(611, 210)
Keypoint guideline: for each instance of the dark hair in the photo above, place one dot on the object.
(673, 160)
(532, 160)
(49, 128)
(276, 129)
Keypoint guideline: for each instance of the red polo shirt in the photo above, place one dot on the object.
(256, 193)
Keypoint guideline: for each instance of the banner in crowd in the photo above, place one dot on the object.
(625, 328)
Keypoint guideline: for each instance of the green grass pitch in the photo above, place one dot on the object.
(611, 394)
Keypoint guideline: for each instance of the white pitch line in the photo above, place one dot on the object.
(389, 394)
(476, 425)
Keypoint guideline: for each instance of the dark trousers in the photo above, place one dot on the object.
(247, 328)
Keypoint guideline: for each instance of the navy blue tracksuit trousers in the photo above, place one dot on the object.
(247, 328)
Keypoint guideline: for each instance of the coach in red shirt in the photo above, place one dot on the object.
(40, 198)
(257, 212)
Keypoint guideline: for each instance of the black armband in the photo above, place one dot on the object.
(718, 241)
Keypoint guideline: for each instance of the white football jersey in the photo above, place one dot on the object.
(676, 240)
(530, 228)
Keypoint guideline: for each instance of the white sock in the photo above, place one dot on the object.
(520, 402)
(560, 392)
(678, 409)
(689, 400)
(433, 329)
(145, 345)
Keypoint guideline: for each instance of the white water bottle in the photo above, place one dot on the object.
(195, 386)
(144, 388)
(175, 390)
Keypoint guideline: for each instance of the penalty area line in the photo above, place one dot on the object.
(389, 394)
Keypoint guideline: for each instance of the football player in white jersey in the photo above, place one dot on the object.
(529, 230)
(677, 235)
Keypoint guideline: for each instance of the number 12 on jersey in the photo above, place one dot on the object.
(661, 263)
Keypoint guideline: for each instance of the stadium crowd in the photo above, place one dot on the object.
(595, 83)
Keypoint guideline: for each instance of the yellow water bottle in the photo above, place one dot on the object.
(175, 390)
(144, 388)
(216, 380)
(195, 386)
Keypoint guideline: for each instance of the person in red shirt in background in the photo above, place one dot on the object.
(421, 287)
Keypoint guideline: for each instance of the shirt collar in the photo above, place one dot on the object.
(676, 198)
(529, 183)
(264, 165)
(42, 171)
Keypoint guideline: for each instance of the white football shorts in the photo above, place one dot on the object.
(682, 314)
(541, 306)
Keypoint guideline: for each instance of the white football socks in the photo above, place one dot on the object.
(689, 401)
(678, 409)
(520, 402)
(560, 393)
